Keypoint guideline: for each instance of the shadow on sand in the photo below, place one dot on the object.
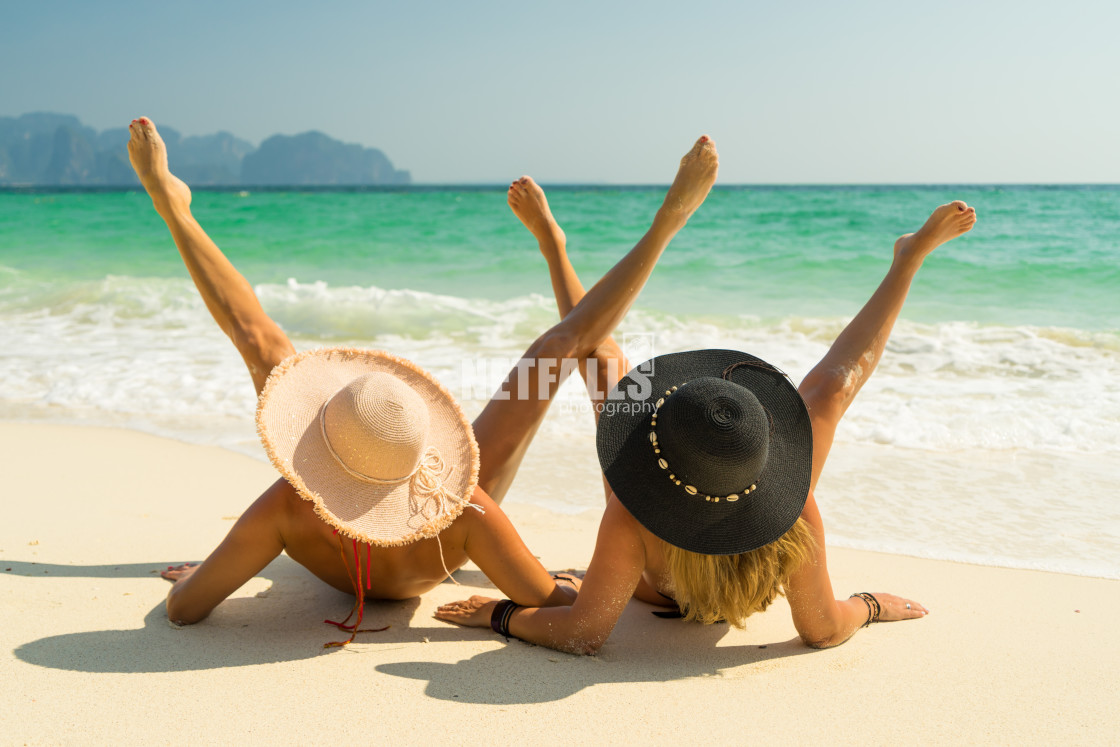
(643, 648)
(281, 624)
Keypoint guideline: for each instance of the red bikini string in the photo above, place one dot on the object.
(359, 593)
(362, 595)
(342, 554)
(342, 625)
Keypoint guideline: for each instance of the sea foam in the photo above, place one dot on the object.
(149, 346)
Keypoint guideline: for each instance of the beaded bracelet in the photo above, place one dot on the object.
(873, 608)
(499, 618)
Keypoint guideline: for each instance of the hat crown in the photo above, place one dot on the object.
(715, 434)
(377, 426)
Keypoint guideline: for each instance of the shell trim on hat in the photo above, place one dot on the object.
(663, 463)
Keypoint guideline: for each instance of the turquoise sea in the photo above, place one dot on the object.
(990, 432)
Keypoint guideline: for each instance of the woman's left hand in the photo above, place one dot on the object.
(474, 612)
(893, 608)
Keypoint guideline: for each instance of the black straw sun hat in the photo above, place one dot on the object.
(711, 450)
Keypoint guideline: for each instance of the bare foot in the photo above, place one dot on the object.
(178, 572)
(527, 201)
(148, 156)
(694, 180)
(945, 223)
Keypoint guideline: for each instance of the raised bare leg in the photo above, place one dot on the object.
(834, 382)
(606, 365)
(227, 294)
(527, 201)
(506, 426)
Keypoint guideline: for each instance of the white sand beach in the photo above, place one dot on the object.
(88, 656)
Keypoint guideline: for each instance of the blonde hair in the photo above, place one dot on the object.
(713, 588)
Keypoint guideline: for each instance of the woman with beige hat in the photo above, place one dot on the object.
(710, 459)
(379, 463)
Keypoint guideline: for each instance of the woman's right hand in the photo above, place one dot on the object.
(473, 613)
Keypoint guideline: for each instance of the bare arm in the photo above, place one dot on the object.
(821, 619)
(582, 628)
(253, 543)
(497, 549)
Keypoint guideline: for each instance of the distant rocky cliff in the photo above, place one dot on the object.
(58, 150)
(314, 158)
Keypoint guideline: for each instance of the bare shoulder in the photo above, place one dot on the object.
(481, 511)
(293, 515)
(625, 528)
(620, 530)
(812, 516)
(617, 563)
(619, 517)
(482, 524)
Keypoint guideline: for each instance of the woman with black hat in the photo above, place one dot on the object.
(711, 458)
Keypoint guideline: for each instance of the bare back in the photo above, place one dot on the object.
(387, 572)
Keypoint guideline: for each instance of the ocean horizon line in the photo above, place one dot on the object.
(562, 186)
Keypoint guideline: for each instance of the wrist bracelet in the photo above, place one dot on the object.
(853, 596)
(875, 604)
(873, 608)
(499, 618)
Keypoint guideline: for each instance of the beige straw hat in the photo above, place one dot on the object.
(375, 442)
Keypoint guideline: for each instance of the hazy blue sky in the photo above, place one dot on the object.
(850, 92)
